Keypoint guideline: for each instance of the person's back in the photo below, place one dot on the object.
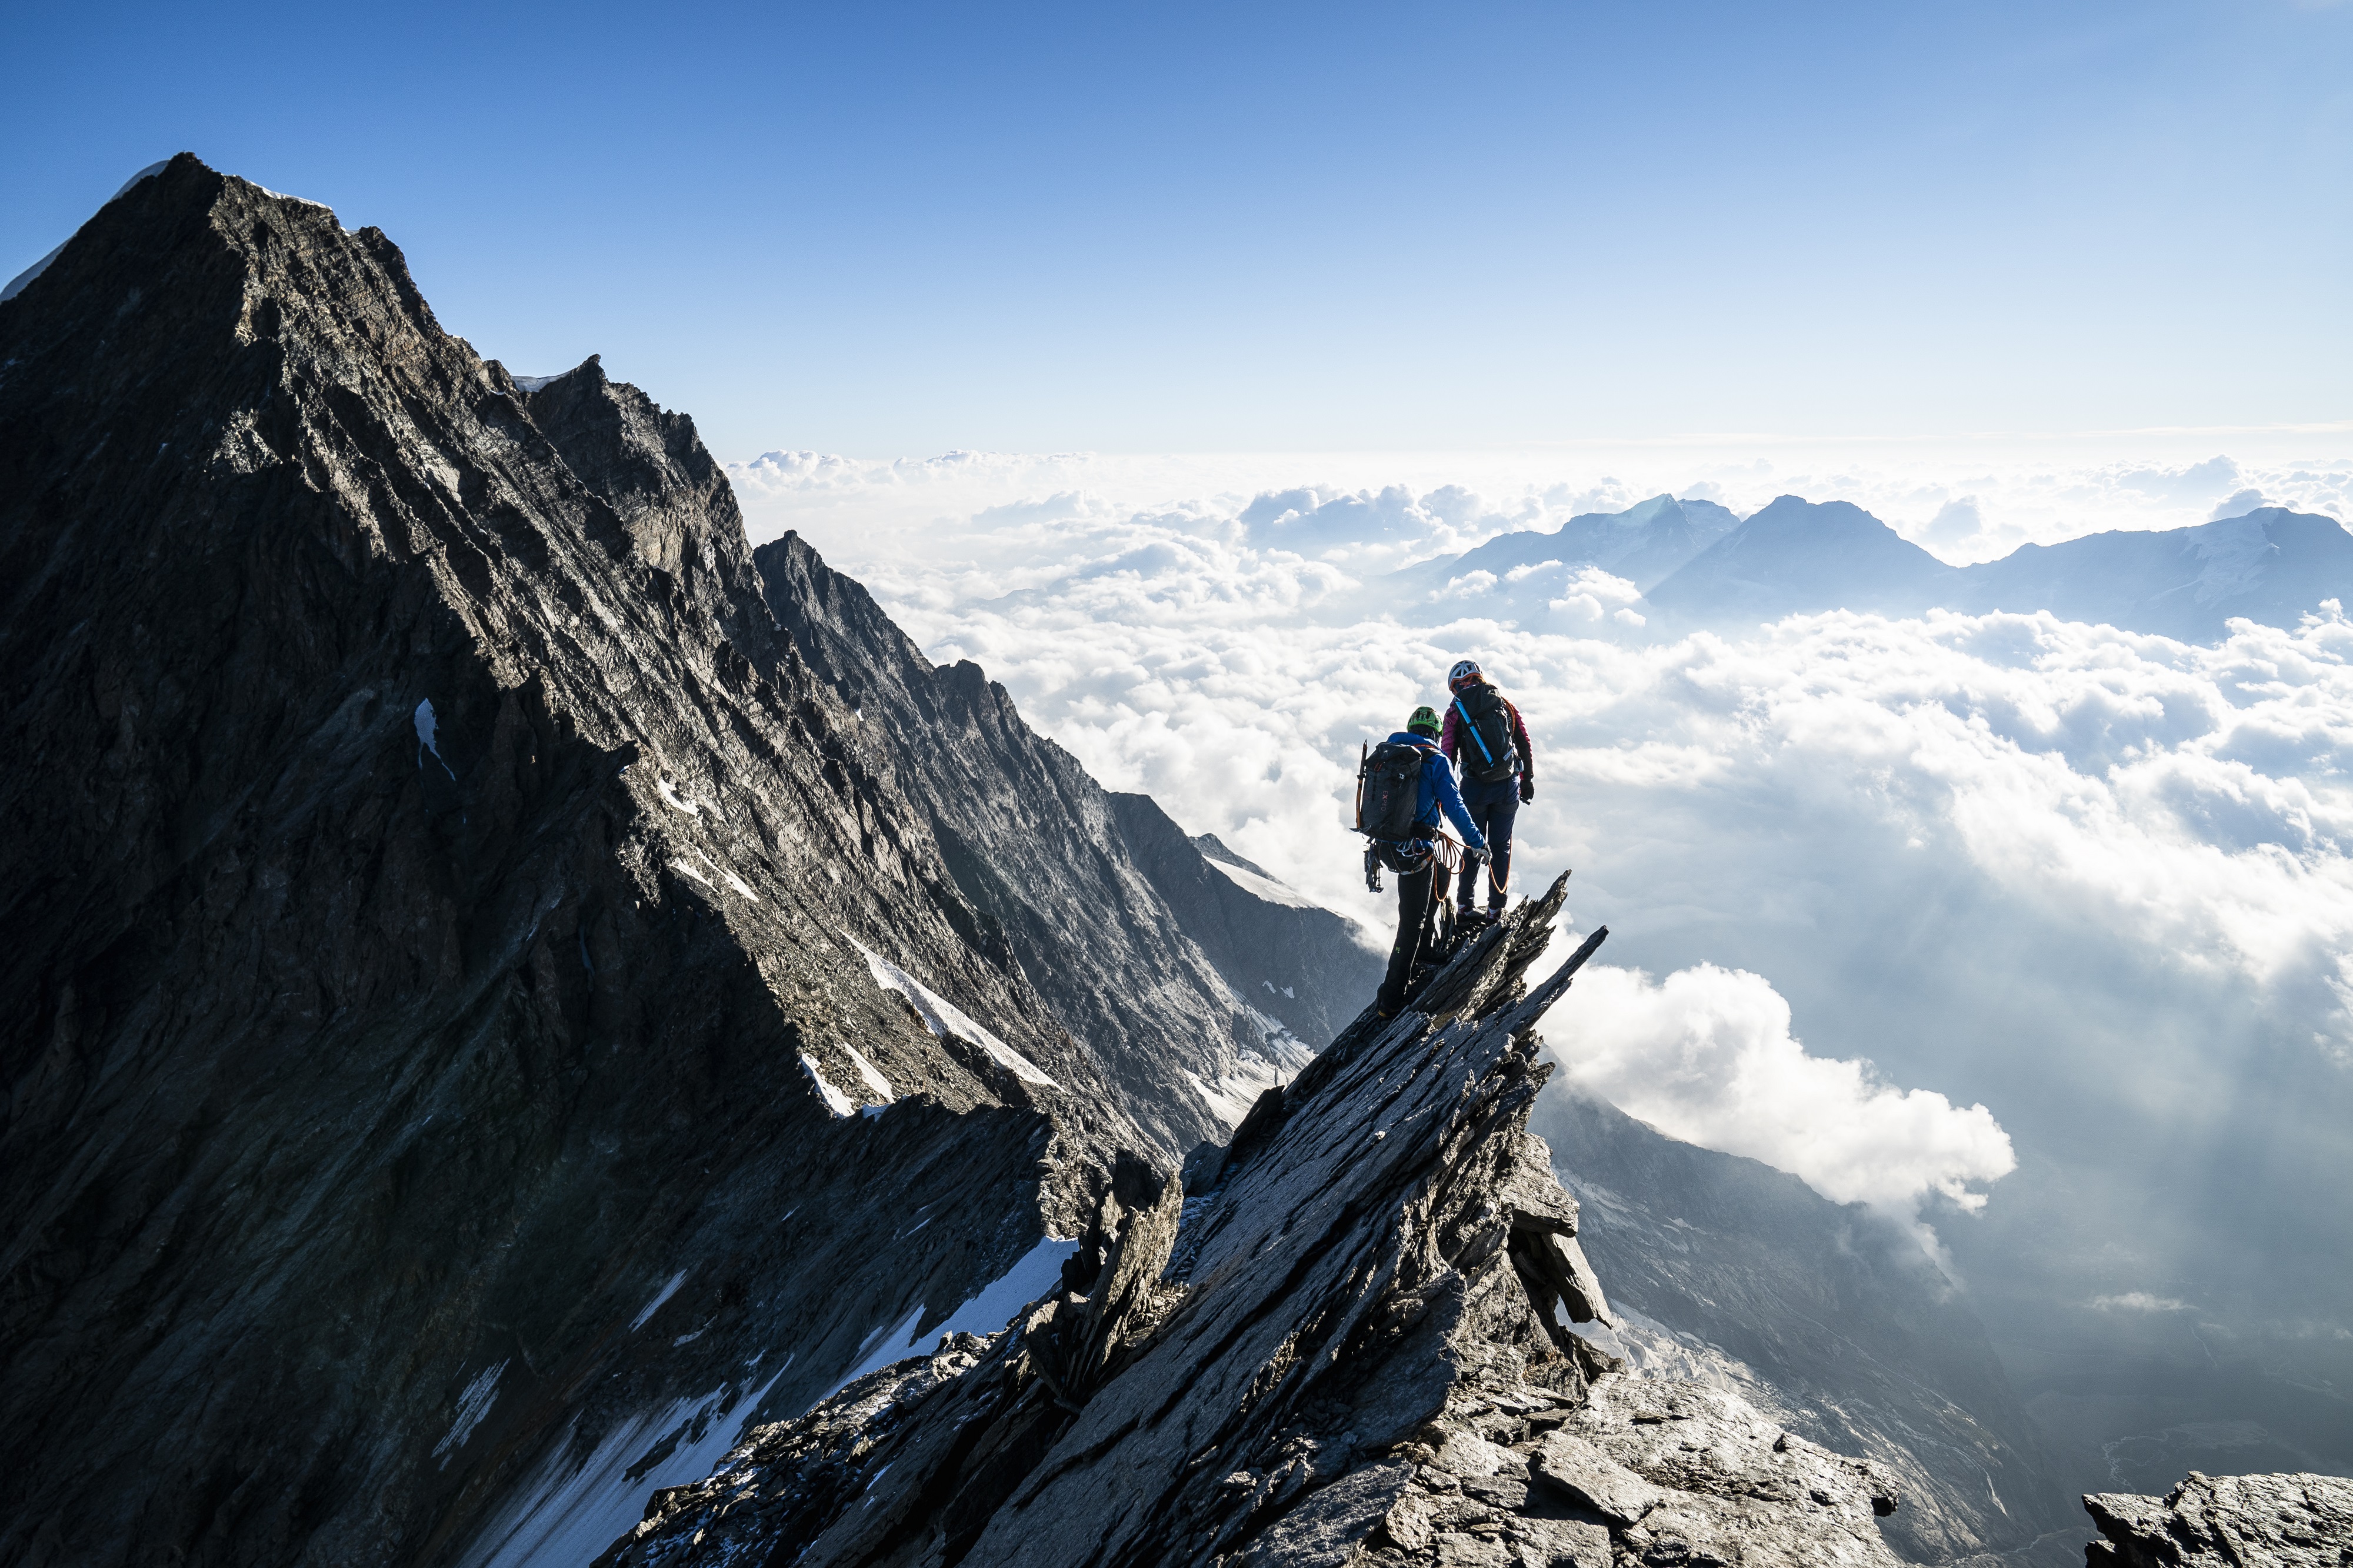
(1486, 737)
(1414, 856)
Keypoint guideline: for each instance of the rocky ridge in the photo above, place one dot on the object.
(2227, 1522)
(1075, 886)
(1351, 1344)
(489, 1018)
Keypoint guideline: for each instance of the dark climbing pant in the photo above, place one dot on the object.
(1494, 807)
(1417, 898)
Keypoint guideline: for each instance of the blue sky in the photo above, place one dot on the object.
(902, 229)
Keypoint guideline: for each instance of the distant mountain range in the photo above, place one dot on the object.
(1696, 563)
(1644, 544)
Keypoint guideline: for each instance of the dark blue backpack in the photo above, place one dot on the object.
(1388, 792)
(1486, 750)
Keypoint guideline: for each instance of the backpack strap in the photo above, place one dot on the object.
(1468, 724)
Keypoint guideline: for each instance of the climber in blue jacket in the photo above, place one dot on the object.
(1416, 860)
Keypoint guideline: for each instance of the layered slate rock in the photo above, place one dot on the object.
(2227, 1522)
(485, 1019)
(1356, 1347)
(1038, 849)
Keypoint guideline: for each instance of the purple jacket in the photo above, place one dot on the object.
(1451, 737)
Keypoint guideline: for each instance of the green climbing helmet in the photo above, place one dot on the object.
(1423, 722)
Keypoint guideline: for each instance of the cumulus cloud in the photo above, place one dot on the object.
(2137, 1301)
(2237, 505)
(1470, 586)
(1955, 522)
(1706, 1056)
(1593, 595)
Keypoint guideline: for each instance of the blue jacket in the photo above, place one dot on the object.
(1437, 791)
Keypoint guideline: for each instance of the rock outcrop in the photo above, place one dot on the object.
(2227, 1522)
(487, 1017)
(1352, 1343)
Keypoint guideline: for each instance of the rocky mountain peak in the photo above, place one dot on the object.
(490, 1017)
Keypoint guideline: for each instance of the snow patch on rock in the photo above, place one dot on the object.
(565, 1514)
(1038, 1271)
(943, 1017)
(428, 727)
(1231, 1093)
(1265, 888)
(472, 1405)
(654, 1305)
(834, 1101)
(866, 1070)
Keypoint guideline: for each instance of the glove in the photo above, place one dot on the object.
(1528, 790)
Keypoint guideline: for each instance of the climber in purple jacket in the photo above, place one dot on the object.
(1487, 739)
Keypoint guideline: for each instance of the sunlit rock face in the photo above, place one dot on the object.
(2221, 1522)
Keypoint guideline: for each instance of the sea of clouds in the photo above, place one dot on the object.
(1896, 906)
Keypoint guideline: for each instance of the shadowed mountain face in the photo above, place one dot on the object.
(1796, 555)
(1834, 1320)
(2272, 566)
(488, 1017)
